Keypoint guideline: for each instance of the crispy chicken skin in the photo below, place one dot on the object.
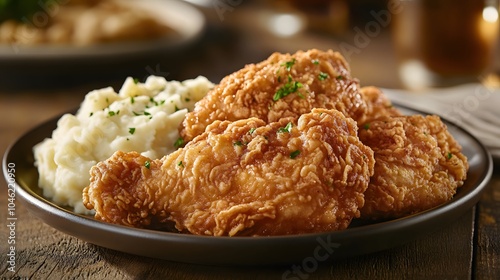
(282, 86)
(419, 165)
(242, 178)
(378, 105)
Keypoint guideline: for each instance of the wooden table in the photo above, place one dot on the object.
(466, 248)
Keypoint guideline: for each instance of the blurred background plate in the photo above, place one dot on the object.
(44, 64)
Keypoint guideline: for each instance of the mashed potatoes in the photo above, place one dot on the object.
(142, 117)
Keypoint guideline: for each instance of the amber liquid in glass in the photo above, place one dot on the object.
(450, 38)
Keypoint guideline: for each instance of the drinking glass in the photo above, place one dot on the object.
(445, 42)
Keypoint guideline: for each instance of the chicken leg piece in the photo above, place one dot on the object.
(242, 178)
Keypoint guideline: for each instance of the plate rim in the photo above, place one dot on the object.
(56, 217)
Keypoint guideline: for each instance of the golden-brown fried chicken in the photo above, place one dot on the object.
(242, 178)
(378, 105)
(282, 86)
(418, 165)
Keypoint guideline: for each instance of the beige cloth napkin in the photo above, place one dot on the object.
(474, 107)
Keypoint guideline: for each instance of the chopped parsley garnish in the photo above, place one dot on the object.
(287, 128)
(152, 100)
(366, 126)
(294, 154)
(180, 164)
(91, 114)
(147, 164)
(252, 130)
(132, 100)
(179, 142)
(176, 108)
(156, 103)
(288, 65)
(143, 113)
(315, 61)
(131, 130)
(136, 81)
(323, 76)
(112, 113)
(449, 155)
(187, 99)
(290, 86)
(286, 89)
(238, 143)
(339, 77)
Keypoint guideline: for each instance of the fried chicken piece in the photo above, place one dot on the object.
(242, 178)
(418, 165)
(378, 105)
(282, 86)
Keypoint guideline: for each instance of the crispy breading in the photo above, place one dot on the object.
(282, 86)
(419, 165)
(378, 105)
(242, 178)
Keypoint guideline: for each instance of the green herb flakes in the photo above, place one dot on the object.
(153, 101)
(238, 143)
(179, 142)
(288, 65)
(323, 76)
(449, 155)
(286, 129)
(286, 89)
(131, 130)
(366, 126)
(252, 130)
(294, 154)
(180, 164)
(147, 164)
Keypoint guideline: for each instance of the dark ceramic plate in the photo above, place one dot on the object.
(359, 239)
